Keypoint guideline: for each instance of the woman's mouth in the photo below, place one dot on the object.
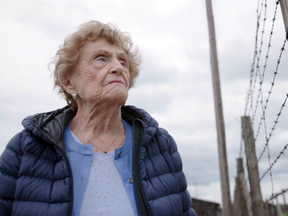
(116, 81)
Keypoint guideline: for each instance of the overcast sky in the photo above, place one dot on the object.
(174, 85)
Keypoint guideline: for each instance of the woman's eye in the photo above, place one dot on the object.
(123, 63)
(100, 58)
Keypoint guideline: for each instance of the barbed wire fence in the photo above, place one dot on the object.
(265, 121)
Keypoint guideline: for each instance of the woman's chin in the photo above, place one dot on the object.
(117, 97)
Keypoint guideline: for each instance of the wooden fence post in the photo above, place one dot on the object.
(278, 207)
(239, 201)
(252, 165)
(284, 9)
(285, 204)
(244, 186)
(242, 202)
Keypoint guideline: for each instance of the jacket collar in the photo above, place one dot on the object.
(149, 124)
(50, 126)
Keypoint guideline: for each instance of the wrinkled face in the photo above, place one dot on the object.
(101, 75)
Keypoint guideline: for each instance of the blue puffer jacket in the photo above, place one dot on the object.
(36, 178)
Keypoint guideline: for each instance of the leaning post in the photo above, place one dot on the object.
(252, 165)
(222, 154)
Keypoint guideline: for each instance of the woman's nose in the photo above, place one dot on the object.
(116, 66)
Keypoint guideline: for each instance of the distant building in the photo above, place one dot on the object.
(206, 208)
(270, 210)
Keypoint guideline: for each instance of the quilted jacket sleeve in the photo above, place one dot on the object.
(177, 164)
(10, 161)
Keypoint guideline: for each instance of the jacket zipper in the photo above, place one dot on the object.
(138, 190)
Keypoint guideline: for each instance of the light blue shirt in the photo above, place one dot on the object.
(80, 158)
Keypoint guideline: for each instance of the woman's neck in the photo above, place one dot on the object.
(99, 126)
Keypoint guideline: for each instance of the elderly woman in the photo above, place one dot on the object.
(94, 156)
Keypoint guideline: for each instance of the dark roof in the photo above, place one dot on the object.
(196, 200)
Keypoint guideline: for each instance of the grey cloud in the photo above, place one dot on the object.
(174, 86)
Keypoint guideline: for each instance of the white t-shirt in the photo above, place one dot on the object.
(105, 194)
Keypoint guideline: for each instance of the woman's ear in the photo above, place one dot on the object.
(68, 86)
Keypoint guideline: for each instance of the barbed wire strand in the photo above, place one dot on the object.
(254, 56)
(252, 65)
(273, 128)
(258, 71)
(260, 86)
(275, 161)
(266, 147)
(265, 107)
(250, 97)
(270, 134)
(270, 167)
(270, 91)
(267, 100)
(265, 64)
(276, 195)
